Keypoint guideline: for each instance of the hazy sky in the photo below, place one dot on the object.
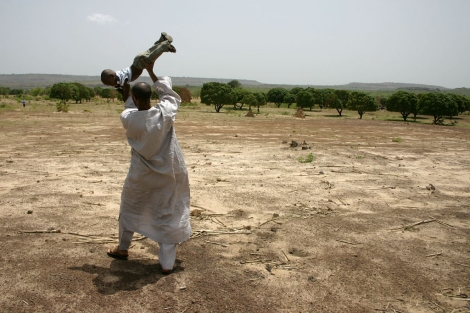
(328, 42)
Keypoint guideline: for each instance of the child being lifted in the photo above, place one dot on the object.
(118, 78)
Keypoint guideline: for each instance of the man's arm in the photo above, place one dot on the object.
(149, 68)
(126, 90)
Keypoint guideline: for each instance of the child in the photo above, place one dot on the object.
(118, 78)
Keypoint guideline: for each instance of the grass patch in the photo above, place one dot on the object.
(396, 139)
(307, 159)
(189, 104)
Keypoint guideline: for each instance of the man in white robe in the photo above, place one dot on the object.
(155, 197)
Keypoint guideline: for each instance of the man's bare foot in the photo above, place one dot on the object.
(118, 254)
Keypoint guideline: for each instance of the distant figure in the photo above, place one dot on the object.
(24, 103)
(118, 78)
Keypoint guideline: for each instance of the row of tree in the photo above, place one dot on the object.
(76, 91)
(219, 94)
(436, 104)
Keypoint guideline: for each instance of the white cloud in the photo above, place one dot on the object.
(101, 18)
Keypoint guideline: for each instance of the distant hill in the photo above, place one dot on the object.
(29, 81)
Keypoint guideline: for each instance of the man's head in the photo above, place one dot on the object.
(141, 93)
(108, 77)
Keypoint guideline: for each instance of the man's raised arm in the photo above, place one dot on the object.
(149, 68)
(125, 92)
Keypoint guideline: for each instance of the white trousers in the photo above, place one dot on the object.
(166, 254)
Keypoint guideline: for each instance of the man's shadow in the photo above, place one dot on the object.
(125, 275)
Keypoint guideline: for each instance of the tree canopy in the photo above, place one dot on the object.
(63, 91)
(403, 102)
(234, 83)
(289, 99)
(276, 95)
(438, 105)
(250, 99)
(361, 102)
(217, 94)
(81, 92)
(463, 102)
(305, 99)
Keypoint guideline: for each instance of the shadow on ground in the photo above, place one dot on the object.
(124, 275)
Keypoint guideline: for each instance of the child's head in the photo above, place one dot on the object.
(108, 77)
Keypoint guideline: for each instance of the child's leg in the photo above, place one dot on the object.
(153, 53)
(136, 72)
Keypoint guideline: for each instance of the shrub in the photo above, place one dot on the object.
(308, 159)
(62, 107)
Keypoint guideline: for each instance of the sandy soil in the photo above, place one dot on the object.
(358, 229)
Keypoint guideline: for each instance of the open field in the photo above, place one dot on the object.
(378, 221)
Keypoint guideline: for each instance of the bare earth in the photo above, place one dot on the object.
(358, 229)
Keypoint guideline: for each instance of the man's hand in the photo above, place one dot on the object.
(149, 68)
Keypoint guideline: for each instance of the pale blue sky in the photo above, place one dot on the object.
(328, 42)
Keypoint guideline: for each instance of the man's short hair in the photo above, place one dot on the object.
(142, 91)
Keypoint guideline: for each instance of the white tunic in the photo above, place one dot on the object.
(155, 196)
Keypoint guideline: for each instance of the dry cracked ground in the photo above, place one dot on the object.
(378, 221)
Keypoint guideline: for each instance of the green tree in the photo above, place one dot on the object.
(240, 92)
(261, 98)
(217, 94)
(47, 91)
(81, 92)
(338, 100)
(106, 93)
(361, 102)
(321, 96)
(234, 84)
(16, 91)
(62, 91)
(98, 90)
(383, 102)
(295, 90)
(250, 99)
(276, 95)
(5, 91)
(438, 105)
(289, 98)
(36, 91)
(404, 102)
(463, 102)
(90, 93)
(305, 99)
